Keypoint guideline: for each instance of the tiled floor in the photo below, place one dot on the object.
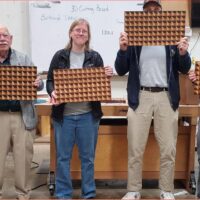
(105, 189)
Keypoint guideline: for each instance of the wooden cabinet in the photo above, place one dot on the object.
(187, 91)
(111, 152)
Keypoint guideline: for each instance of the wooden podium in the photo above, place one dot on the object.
(111, 152)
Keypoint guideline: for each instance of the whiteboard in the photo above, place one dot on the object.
(50, 20)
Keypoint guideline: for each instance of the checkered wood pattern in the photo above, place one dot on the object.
(197, 82)
(154, 28)
(82, 85)
(16, 82)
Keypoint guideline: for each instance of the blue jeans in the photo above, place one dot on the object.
(81, 130)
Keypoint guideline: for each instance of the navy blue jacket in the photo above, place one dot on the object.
(128, 61)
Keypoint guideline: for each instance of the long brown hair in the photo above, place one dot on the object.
(75, 23)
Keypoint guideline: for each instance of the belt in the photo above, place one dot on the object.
(14, 111)
(154, 89)
(9, 110)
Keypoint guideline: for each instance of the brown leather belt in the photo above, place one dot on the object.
(154, 89)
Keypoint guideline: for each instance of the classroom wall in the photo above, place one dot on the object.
(14, 14)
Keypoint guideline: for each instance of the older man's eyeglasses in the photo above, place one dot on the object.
(4, 35)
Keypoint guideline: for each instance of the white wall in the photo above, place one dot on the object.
(54, 19)
(14, 14)
(194, 48)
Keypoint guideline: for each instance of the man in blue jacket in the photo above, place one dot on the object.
(153, 91)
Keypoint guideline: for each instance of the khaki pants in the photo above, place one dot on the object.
(13, 135)
(154, 105)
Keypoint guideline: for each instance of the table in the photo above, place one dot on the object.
(111, 152)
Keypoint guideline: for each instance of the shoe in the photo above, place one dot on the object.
(131, 196)
(166, 195)
(23, 197)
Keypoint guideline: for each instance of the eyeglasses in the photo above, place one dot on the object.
(152, 8)
(4, 35)
(79, 31)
